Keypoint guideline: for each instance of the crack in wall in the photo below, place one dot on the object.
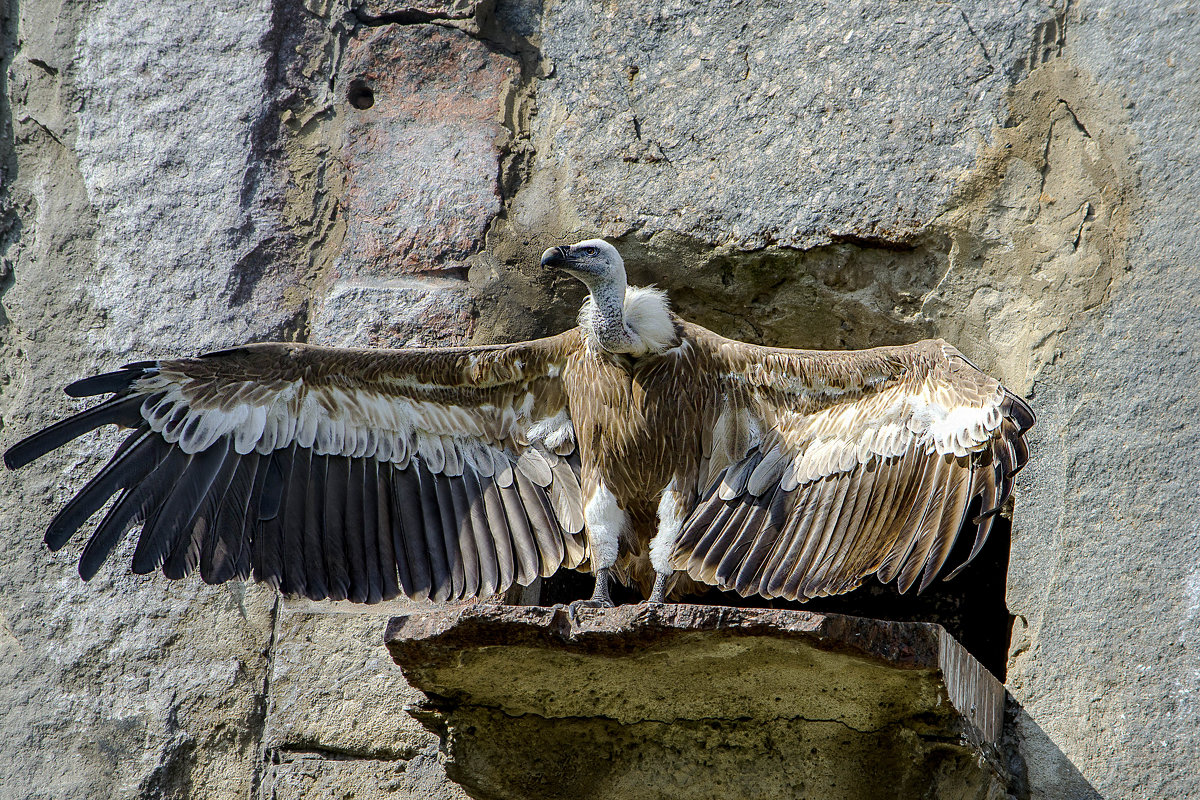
(261, 719)
(288, 752)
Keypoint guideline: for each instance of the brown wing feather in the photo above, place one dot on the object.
(877, 454)
(434, 432)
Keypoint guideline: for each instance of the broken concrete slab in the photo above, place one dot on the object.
(733, 702)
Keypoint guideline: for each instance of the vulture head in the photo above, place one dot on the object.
(593, 261)
(616, 318)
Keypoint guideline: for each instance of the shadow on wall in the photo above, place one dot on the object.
(1041, 770)
(10, 221)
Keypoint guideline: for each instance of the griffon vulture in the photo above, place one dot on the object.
(634, 445)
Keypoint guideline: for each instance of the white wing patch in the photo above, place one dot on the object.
(557, 433)
(839, 438)
(882, 425)
(355, 423)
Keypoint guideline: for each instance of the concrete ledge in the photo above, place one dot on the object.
(732, 702)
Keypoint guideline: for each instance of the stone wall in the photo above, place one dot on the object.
(1017, 177)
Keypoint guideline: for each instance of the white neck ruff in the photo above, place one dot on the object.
(647, 316)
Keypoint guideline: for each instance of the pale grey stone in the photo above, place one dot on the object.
(317, 776)
(133, 138)
(756, 124)
(400, 313)
(1105, 566)
(174, 93)
(332, 685)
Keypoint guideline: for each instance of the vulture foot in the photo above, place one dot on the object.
(573, 608)
(600, 596)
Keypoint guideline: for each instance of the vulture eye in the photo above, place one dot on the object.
(591, 251)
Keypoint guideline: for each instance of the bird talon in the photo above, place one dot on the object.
(591, 603)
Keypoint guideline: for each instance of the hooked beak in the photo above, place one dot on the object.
(556, 256)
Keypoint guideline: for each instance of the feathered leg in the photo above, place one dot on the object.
(671, 516)
(606, 522)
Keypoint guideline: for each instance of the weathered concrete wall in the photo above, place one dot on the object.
(1018, 177)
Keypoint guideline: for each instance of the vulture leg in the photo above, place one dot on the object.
(605, 522)
(601, 598)
(672, 512)
(659, 593)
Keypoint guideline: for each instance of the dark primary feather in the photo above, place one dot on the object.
(465, 563)
(134, 505)
(542, 521)
(496, 524)
(360, 558)
(220, 556)
(334, 538)
(476, 546)
(265, 555)
(377, 529)
(123, 411)
(139, 453)
(302, 493)
(525, 550)
(486, 539)
(419, 547)
(270, 485)
(311, 537)
(441, 540)
(187, 552)
(109, 382)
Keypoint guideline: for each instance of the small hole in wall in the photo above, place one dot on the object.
(360, 95)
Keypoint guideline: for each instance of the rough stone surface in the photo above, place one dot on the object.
(723, 696)
(1106, 662)
(409, 11)
(131, 135)
(335, 717)
(849, 120)
(422, 160)
(1016, 177)
(361, 313)
(321, 775)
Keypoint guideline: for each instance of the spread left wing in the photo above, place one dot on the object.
(438, 473)
(822, 468)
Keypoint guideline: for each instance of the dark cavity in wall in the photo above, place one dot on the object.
(971, 607)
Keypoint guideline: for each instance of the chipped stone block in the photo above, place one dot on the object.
(650, 701)
(420, 149)
(319, 776)
(332, 687)
(831, 120)
(410, 11)
(394, 314)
